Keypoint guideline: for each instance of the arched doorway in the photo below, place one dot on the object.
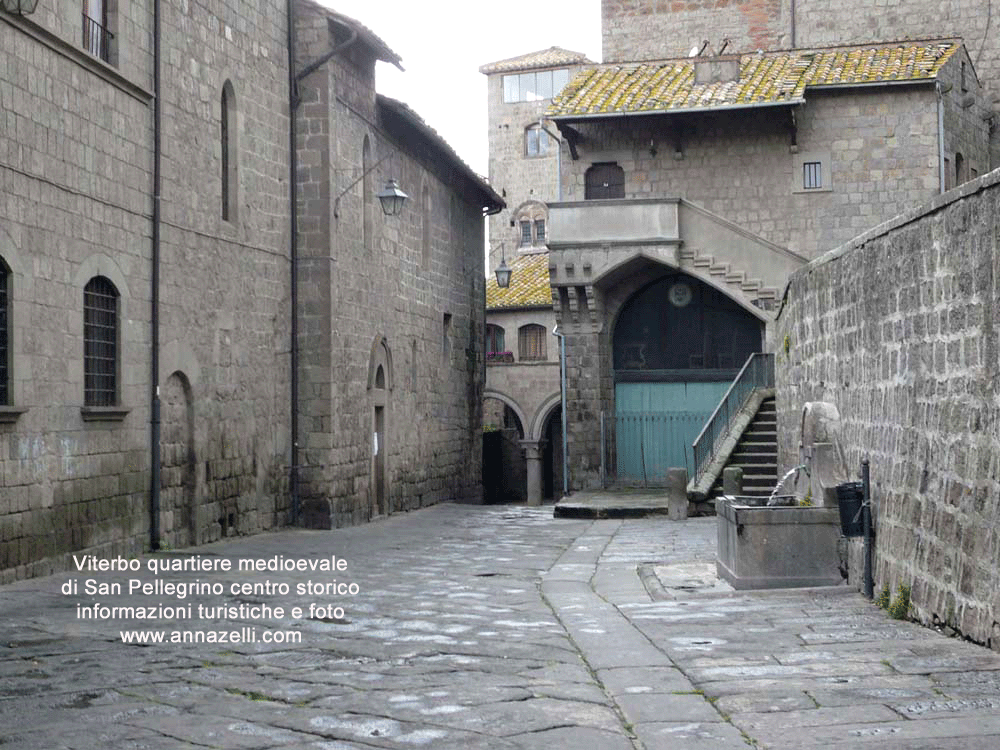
(504, 468)
(179, 522)
(380, 384)
(678, 343)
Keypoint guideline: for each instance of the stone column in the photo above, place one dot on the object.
(533, 458)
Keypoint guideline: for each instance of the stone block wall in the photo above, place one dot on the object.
(410, 289)
(881, 145)
(76, 202)
(899, 329)
(646, 30)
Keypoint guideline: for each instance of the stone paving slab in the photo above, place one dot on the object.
(501, 628)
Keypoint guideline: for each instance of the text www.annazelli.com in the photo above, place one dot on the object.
(240, 635)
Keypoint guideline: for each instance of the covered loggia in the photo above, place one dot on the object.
(677, 345)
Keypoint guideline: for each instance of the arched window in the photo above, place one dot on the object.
(227, 137)
(5, 389)
(367, 192)
(531, 342)
(959, 168)
(425, 219)
(494, 339)
(100, 343)
(529, 223)
(604, 180)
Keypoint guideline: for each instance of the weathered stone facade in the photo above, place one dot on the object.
(404, 294)
(76, 181)
(899, 329)
(880, 144)
(76, 204)
(643, 30)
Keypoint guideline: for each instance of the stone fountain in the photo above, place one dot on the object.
(789, 540)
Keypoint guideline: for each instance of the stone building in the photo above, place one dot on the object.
(524, 157)
(146, 352)
(523, 396)
(392, 325)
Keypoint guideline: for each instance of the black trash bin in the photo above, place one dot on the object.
(850, 497)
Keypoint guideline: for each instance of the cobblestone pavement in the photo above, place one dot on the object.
(490, 627)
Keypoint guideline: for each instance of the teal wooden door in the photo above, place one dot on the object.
(656, 423)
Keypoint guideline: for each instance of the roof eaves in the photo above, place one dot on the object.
(409, 116)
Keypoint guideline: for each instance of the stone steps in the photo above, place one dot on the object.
(756, 453)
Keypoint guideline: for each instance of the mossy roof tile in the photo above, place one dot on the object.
(765, 78)
(529, 284)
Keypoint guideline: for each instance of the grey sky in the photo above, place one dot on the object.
(443, 43)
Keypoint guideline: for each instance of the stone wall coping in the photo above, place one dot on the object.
(983, 182)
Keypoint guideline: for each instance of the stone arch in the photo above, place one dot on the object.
(229, 151)
(178, 474)
(381, 356)
(541, 416)
(638, 270)
(178, 356)
(508, 401)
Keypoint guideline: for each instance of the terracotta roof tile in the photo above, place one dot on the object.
(529, 284)
(546, 58)
(765, 78)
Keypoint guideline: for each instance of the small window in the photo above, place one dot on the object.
(100, 343)
(531, 342)
(5, 394)
(812, 175)
(964, 86)
(494, 339)
(604, 180)
(959, 168)
(536, 141)
(97, 36)
(227, 138)
(539, 231)
(525, 233)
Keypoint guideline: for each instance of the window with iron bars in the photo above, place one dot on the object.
(97, 37)
(100, 343)
(812, 175)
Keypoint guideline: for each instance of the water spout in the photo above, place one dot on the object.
(772, 500)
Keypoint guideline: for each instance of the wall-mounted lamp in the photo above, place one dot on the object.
(503, 271)
(391, 197)
(19, 7)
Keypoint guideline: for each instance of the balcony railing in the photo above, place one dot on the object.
(758, 372)
(96, 39)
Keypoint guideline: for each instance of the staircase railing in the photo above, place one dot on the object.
(757, 373)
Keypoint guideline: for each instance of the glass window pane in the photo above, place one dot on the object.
(531, 141)
(525, 233)
(544, 83)
(543, 142)
(529, 88)
(540, 231)
(510, 88)
(559, 79)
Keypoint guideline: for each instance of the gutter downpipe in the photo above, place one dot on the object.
(293, 231)
(792, 14)
(942, 178)
(154, 324)
(562, 389)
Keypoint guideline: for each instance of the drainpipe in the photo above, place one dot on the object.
(154, 323)
(562, 389)
(792, 14)
(293, 231)
(942, 177)
(293, 221)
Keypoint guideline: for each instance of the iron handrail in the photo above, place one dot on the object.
(96, 38)
(757, 372)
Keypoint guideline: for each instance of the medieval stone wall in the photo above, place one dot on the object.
(879, 148)
(409, 289)
(75, 203)
(899, 328)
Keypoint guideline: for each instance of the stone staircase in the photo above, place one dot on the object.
(739, 280)
(756, 453)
